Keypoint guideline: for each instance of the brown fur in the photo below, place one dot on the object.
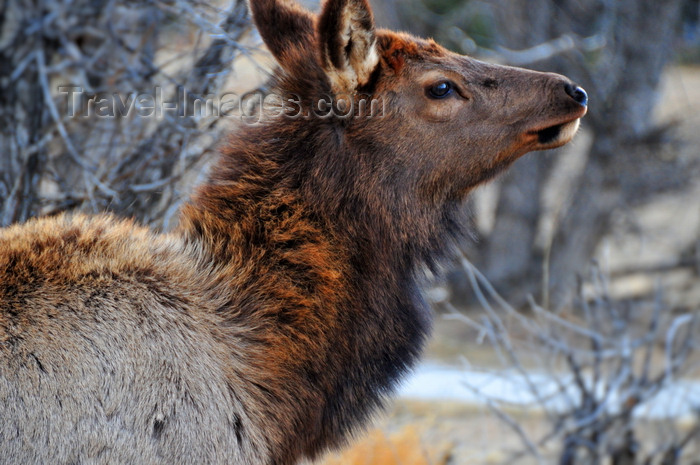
(283, 311)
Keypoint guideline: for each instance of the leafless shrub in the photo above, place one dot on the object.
(605, 375)
(62, 148)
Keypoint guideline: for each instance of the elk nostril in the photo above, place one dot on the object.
(577, 93)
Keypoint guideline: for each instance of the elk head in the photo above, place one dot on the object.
(447, 122)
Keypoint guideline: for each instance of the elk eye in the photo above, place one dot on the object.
(440, 90)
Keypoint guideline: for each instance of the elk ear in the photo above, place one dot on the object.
(348, 43)
(286, 28)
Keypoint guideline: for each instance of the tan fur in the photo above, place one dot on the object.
(141, 308)
(281, 314)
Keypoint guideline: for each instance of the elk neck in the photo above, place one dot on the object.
(325, 257)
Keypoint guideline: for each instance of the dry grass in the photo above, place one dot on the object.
(405, 447)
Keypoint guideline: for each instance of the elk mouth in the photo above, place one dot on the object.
(556, 135)
(549, 135)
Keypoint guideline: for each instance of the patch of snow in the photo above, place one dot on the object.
(537, 391)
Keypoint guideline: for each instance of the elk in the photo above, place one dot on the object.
(284, 308)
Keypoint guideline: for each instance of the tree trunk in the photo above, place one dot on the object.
(622, 82)
(624, 87)
(511, 260)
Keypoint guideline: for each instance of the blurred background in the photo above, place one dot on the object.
(566, 327)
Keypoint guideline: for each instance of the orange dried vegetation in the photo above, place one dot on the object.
(405, 447)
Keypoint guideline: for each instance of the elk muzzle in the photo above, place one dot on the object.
(571, 104)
